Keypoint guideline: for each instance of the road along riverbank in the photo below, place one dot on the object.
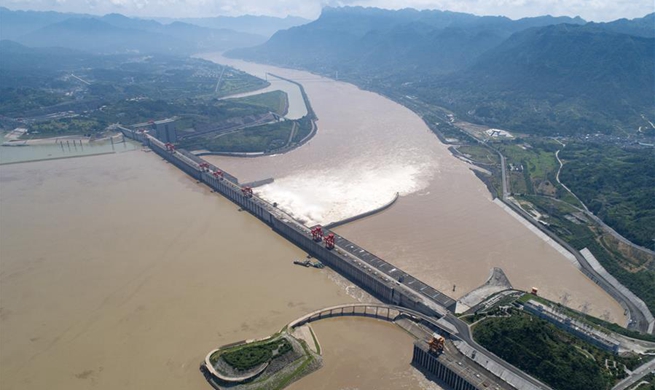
(444, 228)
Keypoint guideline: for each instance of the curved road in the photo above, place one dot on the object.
(637, 319)
(462, 329)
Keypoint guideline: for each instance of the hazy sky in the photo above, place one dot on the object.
(596, 10)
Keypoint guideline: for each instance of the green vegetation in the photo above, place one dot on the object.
(617, 184)
(550, 354)
(86, 97)
(262, 138)
(532, 165)
(298, 372)
(480, 154)
(250, 356)
(118, 88)
(648, 385)
(635, 274)
(276, 101)
(67, 126)
(17, 101)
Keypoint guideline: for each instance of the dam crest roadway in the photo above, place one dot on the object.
(371, 273)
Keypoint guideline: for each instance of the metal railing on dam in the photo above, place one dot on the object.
(378, 277)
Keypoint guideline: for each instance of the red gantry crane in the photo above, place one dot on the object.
(317, 233)
(170, 147)
(204, 166)
(246, 191)
(218, 175)
(329, 241)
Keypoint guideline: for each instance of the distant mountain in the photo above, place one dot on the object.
(257, 25)
(115, 33)
(555, 80)
(22, 66)
(642, 27)
(542, 75)
(355, 40)
(14, 24)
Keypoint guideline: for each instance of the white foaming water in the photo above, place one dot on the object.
(332, 194)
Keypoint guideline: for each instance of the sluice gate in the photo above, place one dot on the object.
(376, 276)
(381, 279)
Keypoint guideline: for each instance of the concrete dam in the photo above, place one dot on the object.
(371, 273)
(378, 277)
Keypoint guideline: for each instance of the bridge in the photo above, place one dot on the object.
(375, 310)
(407, 295)
(454, 366)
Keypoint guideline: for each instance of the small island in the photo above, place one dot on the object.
(270, 363)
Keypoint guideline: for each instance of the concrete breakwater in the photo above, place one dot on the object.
(376, 276)
(363, 215)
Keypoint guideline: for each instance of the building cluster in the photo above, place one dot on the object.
(164, 130)
(577, 328)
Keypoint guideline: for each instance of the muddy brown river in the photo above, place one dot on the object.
(444, 229)
(120, 272)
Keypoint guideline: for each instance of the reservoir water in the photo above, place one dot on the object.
(65, 149)
(119, 271)
(444, 229)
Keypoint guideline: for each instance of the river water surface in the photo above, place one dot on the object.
(121, 272)
(444, 229)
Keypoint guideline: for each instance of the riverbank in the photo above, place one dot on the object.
(443, 228)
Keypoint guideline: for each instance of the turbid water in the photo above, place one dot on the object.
(364, 353)
(444, 229)
(121, 272)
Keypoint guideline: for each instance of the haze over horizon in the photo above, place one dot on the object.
(597, 10)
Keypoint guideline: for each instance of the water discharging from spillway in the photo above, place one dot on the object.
(444, 229)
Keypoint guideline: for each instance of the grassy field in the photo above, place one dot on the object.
(263, 138)
(235, 81)
(480, 154)
(275, 101)
(533, 165)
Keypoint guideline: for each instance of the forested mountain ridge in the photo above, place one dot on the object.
(555, 80)
(541, 75)
(116, 33)
(101, 36)
(356, 40)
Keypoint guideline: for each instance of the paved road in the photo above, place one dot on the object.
(503, 175)
(636, 376)
(464, 332)
(637, 319)
(599, 221)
